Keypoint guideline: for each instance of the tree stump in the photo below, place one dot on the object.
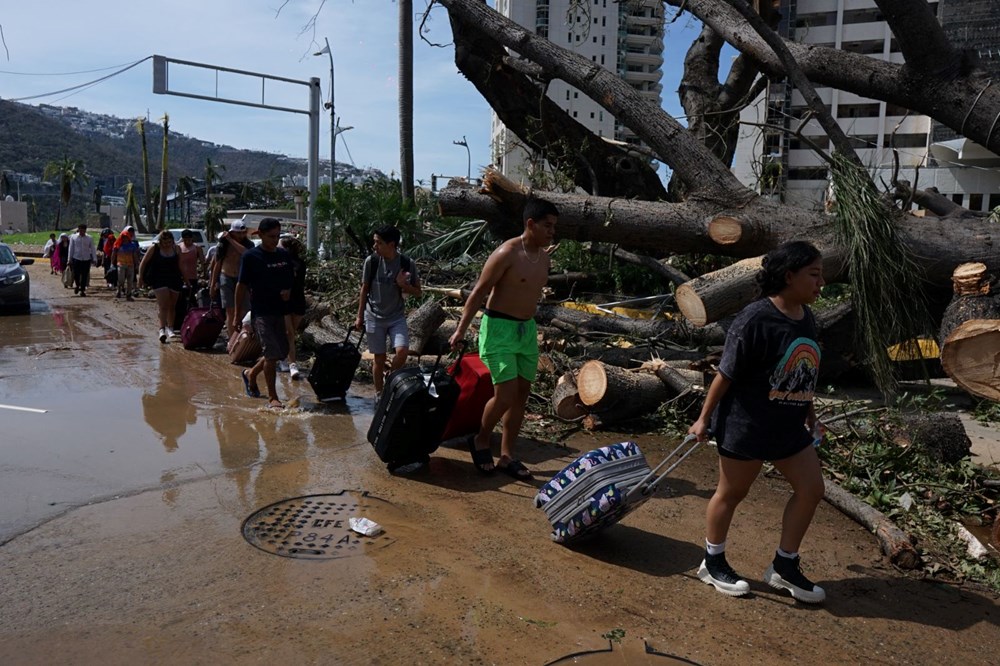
(422, 323)
(969, 337)
(940, 436)
(615, 394)
(565, 399)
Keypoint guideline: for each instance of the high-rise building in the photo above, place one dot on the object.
(624, 36)
(775, 160)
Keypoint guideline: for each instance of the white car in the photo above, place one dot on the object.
(199, 239)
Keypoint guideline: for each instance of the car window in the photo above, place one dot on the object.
(7, 255)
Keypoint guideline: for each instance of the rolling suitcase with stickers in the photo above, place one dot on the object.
(602, 486)
(334, 367)
(411, 414)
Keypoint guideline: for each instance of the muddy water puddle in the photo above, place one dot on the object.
(88, 412)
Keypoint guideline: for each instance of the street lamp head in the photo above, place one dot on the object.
(461, 143)
(323, 51)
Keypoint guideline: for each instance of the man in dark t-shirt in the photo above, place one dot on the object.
(267, 273)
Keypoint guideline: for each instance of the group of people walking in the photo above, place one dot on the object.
(759, 407)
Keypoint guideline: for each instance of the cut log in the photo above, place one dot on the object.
(422, 323)
(970, 279)
(969, 338)
(605, 387)
(644, 329)
(719, 293)
(896, 544)
(634, 357)
(679, 380)
(565, 399)
(939, 435)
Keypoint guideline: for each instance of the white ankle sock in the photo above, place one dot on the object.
(790, 556)
(714, 548)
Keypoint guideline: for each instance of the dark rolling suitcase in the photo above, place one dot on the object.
(602, 486)
(201, 328)
(333, 369)
(411, 415)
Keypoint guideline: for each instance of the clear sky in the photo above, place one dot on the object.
(57, 44)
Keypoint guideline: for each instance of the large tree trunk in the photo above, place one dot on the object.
(969, 338)
(422, 323)
(752, 230)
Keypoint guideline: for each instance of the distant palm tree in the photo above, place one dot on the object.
(213, 214)
(406, 98)
(140, 125)
(67, 173)
(162, 220)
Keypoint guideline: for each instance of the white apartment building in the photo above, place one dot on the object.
(624, 36)
(778, 163)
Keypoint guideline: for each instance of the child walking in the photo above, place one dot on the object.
(761, 409)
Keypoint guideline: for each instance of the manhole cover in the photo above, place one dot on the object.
(315, 527)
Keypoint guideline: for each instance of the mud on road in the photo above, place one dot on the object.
(142, 559)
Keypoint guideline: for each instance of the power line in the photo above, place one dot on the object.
(83, 71)
(82, 85)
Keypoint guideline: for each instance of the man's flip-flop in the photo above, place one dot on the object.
(251, 390)
(481, 458)
(516, 469)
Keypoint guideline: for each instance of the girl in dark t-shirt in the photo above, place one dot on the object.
(761, 408)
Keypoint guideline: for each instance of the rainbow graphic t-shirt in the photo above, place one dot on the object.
(773, 363)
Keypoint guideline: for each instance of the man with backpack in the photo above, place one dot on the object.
(386, 279)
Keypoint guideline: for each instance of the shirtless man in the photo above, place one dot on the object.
(226, 270)
(512, 279)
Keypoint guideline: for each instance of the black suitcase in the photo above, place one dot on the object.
(411, 415)
(333, 369)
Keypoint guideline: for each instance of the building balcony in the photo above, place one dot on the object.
(639, 77)
(654, 59)
(642, 40)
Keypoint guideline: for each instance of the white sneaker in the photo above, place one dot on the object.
(293, 370)
(171, 333)
(163, 335)
(282, 366)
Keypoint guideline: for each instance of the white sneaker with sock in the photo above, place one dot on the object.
(293, 370)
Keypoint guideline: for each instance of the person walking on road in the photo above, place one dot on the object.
(125, 255)
(387, 278)
(48, 252)
(511, 283)
(225, 273)
(761, 409)
(82, 256)
(296, 303)
(265, 279)
(160, 270)
(61, 254)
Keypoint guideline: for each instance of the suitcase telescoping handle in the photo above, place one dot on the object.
(360, 337)
(649, 482)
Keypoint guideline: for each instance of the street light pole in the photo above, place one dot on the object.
(468, 154)
(333, 117)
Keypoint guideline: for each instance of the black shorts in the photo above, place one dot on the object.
(769, 456)
(270, 330)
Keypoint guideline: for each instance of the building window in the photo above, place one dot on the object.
(604, 21)
(574, 114)
(957, 198)
(576, 95)
(602, 59)
(858, 111)
(906, 141)
(567, 95)
(975, 202)
(592, 117)
(809, 173)
(994, 201)
(603, 43)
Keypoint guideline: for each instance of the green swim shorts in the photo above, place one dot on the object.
(509, 348)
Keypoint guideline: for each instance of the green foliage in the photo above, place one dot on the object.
(888, 298)
(986, 412)
(933, 401)
(615, 635)
(612, 275)
(873, 467)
